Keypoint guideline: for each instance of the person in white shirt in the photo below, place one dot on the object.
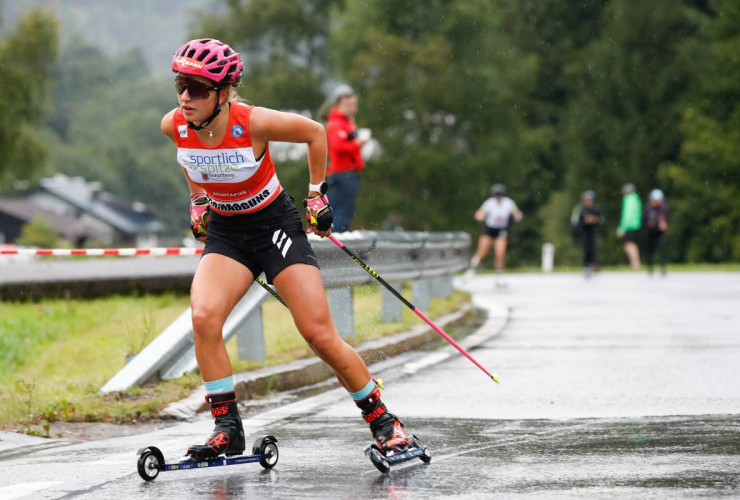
(494, 213)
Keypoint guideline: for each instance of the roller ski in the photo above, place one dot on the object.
(392, 444)
(225, 445)
(151, 460)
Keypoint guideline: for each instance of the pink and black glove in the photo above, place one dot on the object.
(199, 212)
(318, 212)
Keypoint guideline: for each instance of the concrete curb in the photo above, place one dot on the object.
(307, 372)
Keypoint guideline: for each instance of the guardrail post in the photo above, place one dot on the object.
(341, 305)
(420, 294)
(250, 338)
(442, 286)
(391, 308)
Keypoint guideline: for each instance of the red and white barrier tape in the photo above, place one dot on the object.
(98, 252)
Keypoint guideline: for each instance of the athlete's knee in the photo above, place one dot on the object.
(323, 339)
(206, 320)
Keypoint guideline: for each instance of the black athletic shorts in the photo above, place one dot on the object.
(268, 240)
(496, 232)
(632, 235)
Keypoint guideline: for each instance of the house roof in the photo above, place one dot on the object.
(25, 210)
(130, 218)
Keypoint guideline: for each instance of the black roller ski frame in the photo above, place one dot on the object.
(383, 462)
(151, 460)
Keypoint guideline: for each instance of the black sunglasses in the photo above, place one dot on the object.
(196, 89)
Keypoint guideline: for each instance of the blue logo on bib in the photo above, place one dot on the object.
(237, 131)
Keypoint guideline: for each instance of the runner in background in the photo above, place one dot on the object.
(495, 213)
(630, 223)
(656, 223)
(588, 222)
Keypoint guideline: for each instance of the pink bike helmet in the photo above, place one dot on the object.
(209, 58)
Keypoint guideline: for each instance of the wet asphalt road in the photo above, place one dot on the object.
(619, 386)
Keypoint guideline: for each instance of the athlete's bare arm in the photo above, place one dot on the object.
(166, 126)
(267, 125)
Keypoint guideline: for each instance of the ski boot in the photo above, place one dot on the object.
(387, 429)
(392, 445)
(228, 435)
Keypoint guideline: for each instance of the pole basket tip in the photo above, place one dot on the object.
(495, 377)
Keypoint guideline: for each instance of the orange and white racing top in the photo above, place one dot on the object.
(235, 181)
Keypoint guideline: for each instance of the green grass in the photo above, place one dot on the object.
(56, 354)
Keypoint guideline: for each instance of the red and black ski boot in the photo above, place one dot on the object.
(228, 435)
(387, 429)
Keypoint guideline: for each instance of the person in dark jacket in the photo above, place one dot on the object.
(656, 223)
(588, 222)
(345, 158)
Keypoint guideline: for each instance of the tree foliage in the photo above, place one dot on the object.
(548, 97)
(705, 179)
(29, 53)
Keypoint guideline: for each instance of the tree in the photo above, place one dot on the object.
(39, 233)
(703, 185)
(29, 52)
(445, 88)
(283, 48)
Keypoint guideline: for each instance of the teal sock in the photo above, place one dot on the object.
(364, 392)
(220, 386)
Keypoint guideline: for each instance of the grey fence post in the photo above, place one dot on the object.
(391, 308)
(420, 294)
(250, 339)
(442, 286)
(341, 305)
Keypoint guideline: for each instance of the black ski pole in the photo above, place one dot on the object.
(408, 304)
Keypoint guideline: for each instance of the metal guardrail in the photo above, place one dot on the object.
(428, 260)
(402, 255)
(421, 257)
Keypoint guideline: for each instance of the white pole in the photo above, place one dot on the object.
(548, 257)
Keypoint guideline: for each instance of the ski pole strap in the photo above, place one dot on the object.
(227, 397)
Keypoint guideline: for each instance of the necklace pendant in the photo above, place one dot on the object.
(210, 133)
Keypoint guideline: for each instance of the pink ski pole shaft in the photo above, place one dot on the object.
(411, 306)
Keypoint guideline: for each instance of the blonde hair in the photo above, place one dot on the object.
(234, 95)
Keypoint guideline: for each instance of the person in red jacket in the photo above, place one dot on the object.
(345, 159)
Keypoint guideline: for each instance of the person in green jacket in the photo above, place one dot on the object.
(630, 223)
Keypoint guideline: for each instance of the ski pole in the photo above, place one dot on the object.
(270, 290)
(408, 304)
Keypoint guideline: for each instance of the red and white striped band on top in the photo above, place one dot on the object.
(97, 252)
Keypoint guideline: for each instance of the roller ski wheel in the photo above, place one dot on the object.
(151, 460)
(383, 461)
(377, 457)
(269, 451)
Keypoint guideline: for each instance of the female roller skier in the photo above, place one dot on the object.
(250, 225)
